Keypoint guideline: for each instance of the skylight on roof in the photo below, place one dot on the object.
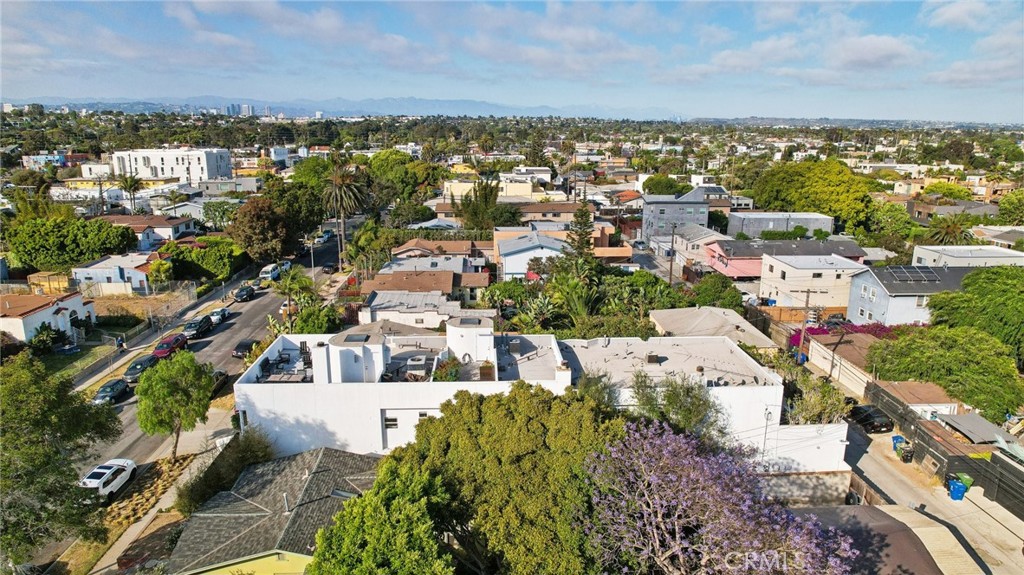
(357, 338)
(343, 494)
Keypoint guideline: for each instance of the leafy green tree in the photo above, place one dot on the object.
(391, 166)
(46, 430)
(990, 300)
(506, 215)
(890, 219)
(817, 401)
(686, 406)
(828, 187)
(59, 244)
(1011, 208)
(219, 214)
(948, 191)
(512, 465)
(130, 185)
(951, 230)
(160, 272)
(262, 230)
(317, 319)
(662, 185)
(389, 529)
(409, 212)
(313, 173)
(475, 209)
(968, 363)
(717, 290)
(174, 396)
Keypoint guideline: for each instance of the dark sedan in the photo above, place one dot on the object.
(138, 366)
(243, 348)
(220, 377)
(110, 392)
(245, 293)
(871, 419)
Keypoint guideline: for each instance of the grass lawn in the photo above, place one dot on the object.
(70, 365)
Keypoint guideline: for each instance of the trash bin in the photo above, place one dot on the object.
(948, 478)
(896, 441)
(957, 489)
(907, 453)
(966, 480)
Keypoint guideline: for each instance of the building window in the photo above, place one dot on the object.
(874, 293)
(771, 269)
(423, 414)
(816, 275)
(661, 211)
(860, 312)
(839, 276)
(782, 274)
(689, 211)
(419, 320)
(244, 417)
(863, 291)
(703, 211)
(922, 301)
(920, 261)
(390, 423)
(871, 316)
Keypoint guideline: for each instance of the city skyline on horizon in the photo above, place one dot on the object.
(937, 61)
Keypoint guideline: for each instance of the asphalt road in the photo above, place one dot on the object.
(248, 320)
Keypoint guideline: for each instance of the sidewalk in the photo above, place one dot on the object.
(201, 441)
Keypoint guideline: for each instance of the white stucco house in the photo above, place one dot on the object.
(515, 254)
(966, 256)
(22, 314)
(364, 390)
(117, 274)
(153, 230)
(785, 279)
(417, 309)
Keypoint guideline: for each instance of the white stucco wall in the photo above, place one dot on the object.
(514, 266)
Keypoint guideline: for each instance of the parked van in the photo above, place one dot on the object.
(271, 272)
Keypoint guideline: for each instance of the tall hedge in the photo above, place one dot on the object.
(57, 245)
(214, 258)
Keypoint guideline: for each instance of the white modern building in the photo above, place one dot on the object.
(815, 281)
(93, 170)
(116, 275)
(417, 309)
(966, 256)
(364, 391)
(186, 164)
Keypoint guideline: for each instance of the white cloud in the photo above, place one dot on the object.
(969, 14)
(773, 14)
(873, 52)
(998, 58)
(712, 35)
(770, 50)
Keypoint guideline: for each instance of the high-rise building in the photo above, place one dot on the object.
(319, 115)
(245, 110)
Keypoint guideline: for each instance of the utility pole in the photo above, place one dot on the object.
(807, 314)
(672, 257)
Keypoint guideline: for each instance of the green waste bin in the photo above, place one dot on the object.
(967, 480)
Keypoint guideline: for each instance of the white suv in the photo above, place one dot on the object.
(109, 478)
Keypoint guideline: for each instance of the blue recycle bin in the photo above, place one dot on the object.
(896, 441)
(957, 490)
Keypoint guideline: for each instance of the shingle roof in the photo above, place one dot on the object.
(454, 247)
(757, 248)
(251, 519)
(148, 220)
(919, 280)
(528, 242)
(22, 305)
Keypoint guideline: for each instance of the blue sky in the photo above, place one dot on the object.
(897, 60)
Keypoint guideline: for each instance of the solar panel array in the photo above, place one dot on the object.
(913, 274)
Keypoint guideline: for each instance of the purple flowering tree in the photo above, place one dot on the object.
(662, 504)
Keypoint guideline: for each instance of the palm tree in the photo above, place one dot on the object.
(345, 195)
(292, 284)
(951, 230)
(130, 184)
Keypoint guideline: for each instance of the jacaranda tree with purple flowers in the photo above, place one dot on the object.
(662, 504)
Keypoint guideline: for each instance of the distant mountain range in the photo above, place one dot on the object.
(345, 107)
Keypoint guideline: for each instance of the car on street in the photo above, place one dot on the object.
(169, 345)
(270, 272)
(243, 348)
(245, 293)
(329, 268)
(109, 478)
(285, 265)
(220, 315)
(640, 245)
(220, 377)
(198, 327)
(871, 419)
(109, 392)
(327, 233)
(138, 366)
(320, 240)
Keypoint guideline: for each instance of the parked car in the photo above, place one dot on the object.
(109, 478)
(220, 377)
(169, 345)
(245, 293)
(328, 233)
(285, 265)
(329, 268)
(220, 315)
(198, 327)
(243, 348)
(138, 366)
(320, 240)
(270, 272)
(640, 245)
(109, 392)
(871, 419)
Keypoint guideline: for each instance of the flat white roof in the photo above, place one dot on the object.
(774, 215)
(973, 251)
(818, 262)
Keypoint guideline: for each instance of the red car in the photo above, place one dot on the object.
(169, 345)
